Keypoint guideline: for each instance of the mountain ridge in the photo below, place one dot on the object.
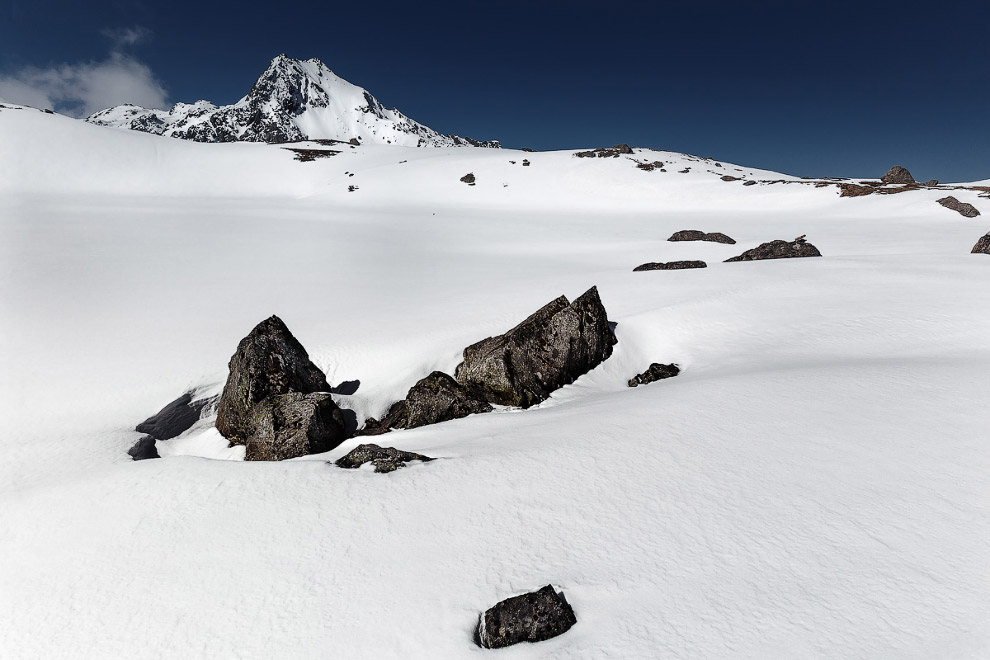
(291, 100)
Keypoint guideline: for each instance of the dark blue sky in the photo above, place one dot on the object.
(807, 88)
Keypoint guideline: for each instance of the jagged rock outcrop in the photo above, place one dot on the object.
(655, 372)
(294, 424)
(548, 350)
(268, 362)
(799, 247)
(670, 265)
(144, 449)
(385, 459)
(292, 100)
(962, 208)
(897, 174)
(531, 617)
(697, 235)
(175, 418)
(434, 399)
(982, 246)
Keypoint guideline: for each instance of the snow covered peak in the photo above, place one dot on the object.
(292, 100)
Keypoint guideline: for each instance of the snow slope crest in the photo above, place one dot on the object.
(292, 100)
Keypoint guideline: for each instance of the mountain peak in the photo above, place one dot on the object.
(291, 100)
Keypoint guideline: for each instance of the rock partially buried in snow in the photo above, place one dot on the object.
(144, 449)
(897, 174)
(468, 178)
(696, 235)
(385, 459)
(670, 265)
(982, 246)
(294, 424)
(779, 250)
(436, 398)
(962, 208)
(176, 418)
(531, 617)
(548, 350)
(656, 372)
(269, 361)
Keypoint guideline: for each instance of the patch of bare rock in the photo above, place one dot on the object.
(384, 459)
(655, 372)
(982, 246)
(606, 152)
(696, 235)
(962, 208)
(531, 617)
(799, 247)
(670, 265)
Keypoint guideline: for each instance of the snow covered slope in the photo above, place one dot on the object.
(813, 485)
(292, 100)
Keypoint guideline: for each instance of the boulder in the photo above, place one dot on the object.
(670, 265)
(897, 174)
(982, 246)
(656, 372)
(531, 617)
(144, 449)
(175, 418)
(779, 250)
(468, 178)
(385, 459)
(295, 424)
(750, 183)
(548, 350)
(269, 361)
(962, 208)
(696, 235)
(852, 190)
(436, 398)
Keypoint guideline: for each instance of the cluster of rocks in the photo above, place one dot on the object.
(799, 247)
(696, 235)
(531, 617)
(655, 372)
(962, 208)
(171, 421)
(606, 152)
(649, 167)
(670, 265)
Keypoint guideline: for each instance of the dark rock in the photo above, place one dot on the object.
(347, 387)
(309, 155)
(267, 362)
(525, 162)
(656, 372)
(385, 459)
(897, 174)
(531, 617)
(728, 177)
(144, 449)
(670, 265)
(649, 167)
(964, 209)
(439, 398)
(175, 418)
(982, 246)
(603, 152)
(295, 424)
(779, 250)
(852, 190)
(695, 235)
(354, 141)
(750, 183)
(393, 419)
(931, 182)
(468, 178)
(548, 350)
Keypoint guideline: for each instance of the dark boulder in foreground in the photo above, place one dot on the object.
(696, 235)
(385, 459)
(962, 208)
(779, 250)
(176, 418)
(434, 399)
(897, 174)
(670, 265)
(144, 449)
(531, 617)
(269, 361)
(982, 246)
(548, 350)
(656, 372)
(295, 424)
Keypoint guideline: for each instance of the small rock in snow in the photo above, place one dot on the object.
(385, 459)
(656, 372)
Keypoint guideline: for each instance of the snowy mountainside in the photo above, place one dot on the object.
(292, 100)
(812, 485)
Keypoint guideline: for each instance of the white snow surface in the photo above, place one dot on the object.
(813, 485)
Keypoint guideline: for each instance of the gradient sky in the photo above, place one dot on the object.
(807, 88)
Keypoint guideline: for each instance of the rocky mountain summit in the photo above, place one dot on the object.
(292, 100)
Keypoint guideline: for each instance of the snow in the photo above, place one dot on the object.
(813, 484)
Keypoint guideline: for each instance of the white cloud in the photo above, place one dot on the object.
(84, 88)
